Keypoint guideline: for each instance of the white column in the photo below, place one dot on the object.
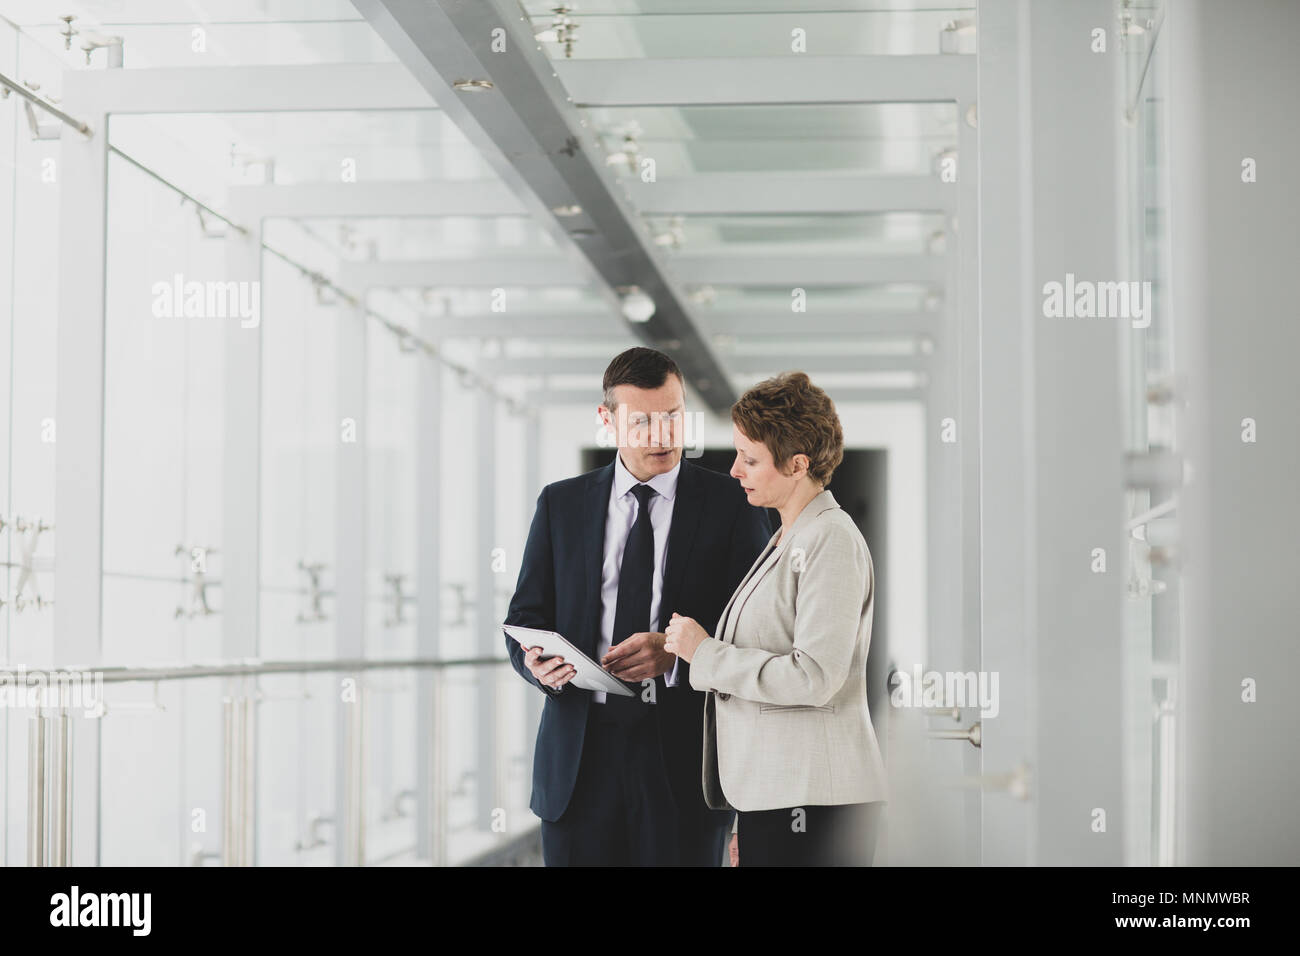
(1077, 498)
(350, 575)
(486, 619)
(1007, 574)
(430, 735)
(79, 462)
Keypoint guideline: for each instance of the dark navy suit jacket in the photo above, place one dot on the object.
(715, 536)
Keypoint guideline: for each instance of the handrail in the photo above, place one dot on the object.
(44, 104)
(168, 672)
(48, 807)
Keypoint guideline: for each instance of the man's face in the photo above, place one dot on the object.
(648, 426)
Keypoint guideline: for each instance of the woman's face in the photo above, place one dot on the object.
(754, 468)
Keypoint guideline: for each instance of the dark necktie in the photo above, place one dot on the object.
(635, 585)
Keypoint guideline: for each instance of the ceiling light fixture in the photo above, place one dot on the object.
(637, 306)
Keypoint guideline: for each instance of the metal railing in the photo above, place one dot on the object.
(49, 784)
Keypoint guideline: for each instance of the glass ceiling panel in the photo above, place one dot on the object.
(725, 29)
(891, 345)
(876, 234)
(830, 381)
(539, 301)
(886, 297)
(196, 150)
(841, 138)
(648, 8)
(443, 237)
(163, 33)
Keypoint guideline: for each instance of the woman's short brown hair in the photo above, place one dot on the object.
(792, 416)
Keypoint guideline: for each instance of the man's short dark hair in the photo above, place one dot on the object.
(639, 367)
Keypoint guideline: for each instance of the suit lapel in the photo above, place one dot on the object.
(687, 507)
(595, 509)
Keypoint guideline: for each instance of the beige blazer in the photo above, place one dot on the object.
(785, 718)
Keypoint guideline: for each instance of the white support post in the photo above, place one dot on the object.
(965, 261)
(79, 415)
(1008, 577)
(241, 485)
(350, 579)
(1078, 503)
(428, 623)
(241, 507)
(532, 488)
(487, 624)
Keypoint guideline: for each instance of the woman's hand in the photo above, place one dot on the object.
(735, 849)
(684, 636)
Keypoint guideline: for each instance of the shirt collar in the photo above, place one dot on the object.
(665, 485)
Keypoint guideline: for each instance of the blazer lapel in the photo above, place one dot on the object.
(816, 506)
(740, 589)
(595, 509)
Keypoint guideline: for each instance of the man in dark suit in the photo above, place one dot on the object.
(610, 556)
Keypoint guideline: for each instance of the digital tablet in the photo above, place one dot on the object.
(589, 676)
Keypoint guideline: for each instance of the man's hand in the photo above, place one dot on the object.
(552, 672)
(639, 657)
(734, 849)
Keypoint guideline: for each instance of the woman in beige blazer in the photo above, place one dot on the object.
(788, 741)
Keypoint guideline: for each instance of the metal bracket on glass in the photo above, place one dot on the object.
(38, 129)
(398, 806)
(314, 593)
(971, 734)
(27, 563)
(198, 581)
(399, 600)
(462, 603)
(563, 29)
(92, 41)
(951, 712)
(314, 838)
(198, 855)
(952, 33)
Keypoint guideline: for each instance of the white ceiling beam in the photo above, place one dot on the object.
(737, 364)
(825, 322)
(840, 395)
(530, 323)
(720, 194)
(519, 325)
(768, 80)
(760, 269)
(479, 272)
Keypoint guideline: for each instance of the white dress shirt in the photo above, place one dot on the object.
(619, 519)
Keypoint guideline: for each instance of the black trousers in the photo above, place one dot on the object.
(623, 812)
(842, 835)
